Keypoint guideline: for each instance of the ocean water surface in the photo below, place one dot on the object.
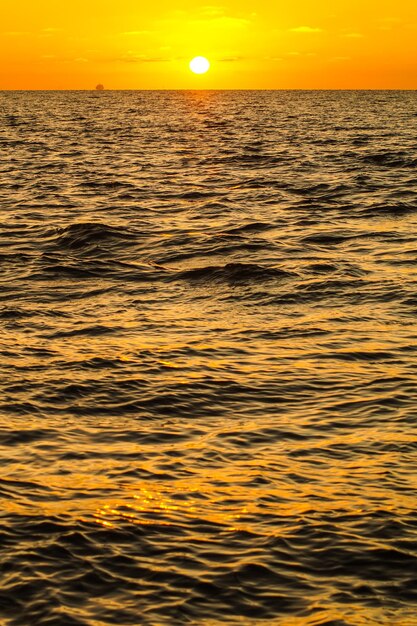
(208, 358)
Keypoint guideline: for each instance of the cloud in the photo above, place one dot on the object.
(211, 11)
(137, 32)
(388, 23)
(47, 33)
(131, 57)
(305, 29)
(231, 59)
(145, 59)
(223, 21)
(206, 17)
(63, 59)
(44, 32)
(390, 20)
(295, 54)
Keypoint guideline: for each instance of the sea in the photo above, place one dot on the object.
(208, 342)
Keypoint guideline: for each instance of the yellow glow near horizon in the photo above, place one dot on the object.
(199, 65)
(131, 45)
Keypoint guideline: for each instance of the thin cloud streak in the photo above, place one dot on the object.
(353, 35)
(231, 59)
(305, 29)
(137, 32)
(138, 58)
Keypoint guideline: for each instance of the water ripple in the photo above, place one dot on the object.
(208, 358)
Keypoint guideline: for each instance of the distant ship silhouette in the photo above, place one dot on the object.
(99, 87)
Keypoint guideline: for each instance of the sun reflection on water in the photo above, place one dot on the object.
(168, 507)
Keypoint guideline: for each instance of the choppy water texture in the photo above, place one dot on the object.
(208, 352)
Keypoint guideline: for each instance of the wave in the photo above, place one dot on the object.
(234, 273)
(83, 235)
(391, 159)
(208, 353)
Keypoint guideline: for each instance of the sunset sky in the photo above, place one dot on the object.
(128, 44)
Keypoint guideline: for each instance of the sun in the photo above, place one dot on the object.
(199, 65)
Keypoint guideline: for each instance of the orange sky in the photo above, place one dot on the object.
(129, 44)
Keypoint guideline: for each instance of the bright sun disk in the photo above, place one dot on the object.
(199, 65)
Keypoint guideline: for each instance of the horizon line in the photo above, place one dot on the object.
(93, 89)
